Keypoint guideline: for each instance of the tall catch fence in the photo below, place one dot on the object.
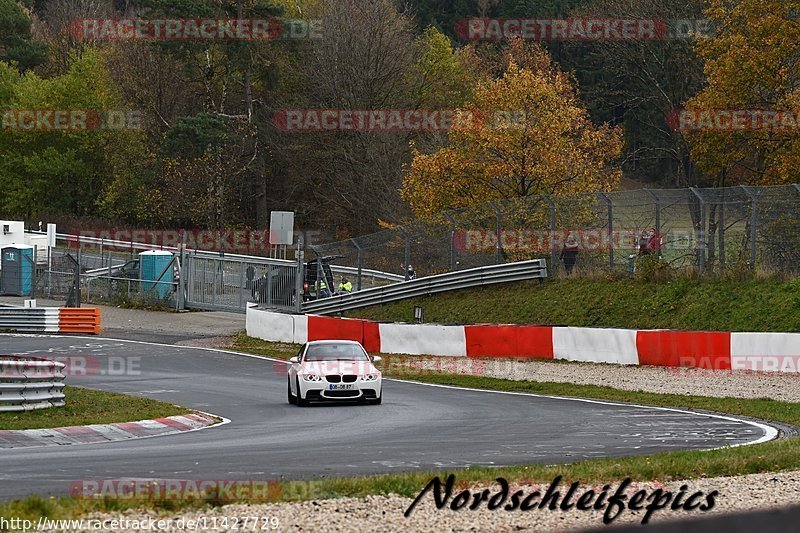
(707, 230)
(700, 229)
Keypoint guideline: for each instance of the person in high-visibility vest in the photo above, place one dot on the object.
(322, 288)
(345, 286)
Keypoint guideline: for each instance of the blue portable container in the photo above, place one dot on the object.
(17, 264)
(151, 265)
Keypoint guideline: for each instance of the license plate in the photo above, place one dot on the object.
(341, 386)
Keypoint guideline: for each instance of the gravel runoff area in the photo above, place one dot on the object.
(385, 513)
(662, 380)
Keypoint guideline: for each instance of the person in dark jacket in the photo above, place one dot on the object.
(569, 254)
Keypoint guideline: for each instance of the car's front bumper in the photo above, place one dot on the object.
(321, 390)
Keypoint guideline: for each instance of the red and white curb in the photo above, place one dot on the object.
(98, 433)
(717, 350)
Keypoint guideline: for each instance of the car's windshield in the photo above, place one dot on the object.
(335, 352)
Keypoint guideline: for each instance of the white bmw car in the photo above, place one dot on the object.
(333, 370)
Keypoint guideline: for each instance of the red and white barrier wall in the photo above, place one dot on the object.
(779, 352)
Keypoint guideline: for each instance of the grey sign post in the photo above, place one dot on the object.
(281, 232)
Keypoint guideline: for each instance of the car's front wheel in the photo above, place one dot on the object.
(378, 400)
(300, 401)
(292, 397)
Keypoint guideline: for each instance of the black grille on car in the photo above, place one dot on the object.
(313, 395)
(341, 393)
(349, 379)
(333, 379)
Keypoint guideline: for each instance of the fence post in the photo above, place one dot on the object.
(722, 223)
(610, 231)
(657, 201)
(407, 251)
(241, 283)
(701, 241)
(77, 278)
(110, 281)
(299, 276)
(359, 263)
(553, 251)
(49, 271)
(33, 273)
(498, 231)
(753, 223)
(182, 274)
(269, 285)
(452, 220)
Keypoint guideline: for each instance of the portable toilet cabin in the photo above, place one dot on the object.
(17, 270)
(156, 272)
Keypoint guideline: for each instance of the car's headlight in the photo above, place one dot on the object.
(312, 377)
(371, 377)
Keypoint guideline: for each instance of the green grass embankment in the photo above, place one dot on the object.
(687, 304)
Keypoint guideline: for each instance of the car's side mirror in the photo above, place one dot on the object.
(376, 359)
(294, 360)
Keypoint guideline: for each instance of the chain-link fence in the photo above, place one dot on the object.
(101, 274)
(92, 270)
(702, 229)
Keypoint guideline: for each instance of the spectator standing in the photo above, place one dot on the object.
(569, 254)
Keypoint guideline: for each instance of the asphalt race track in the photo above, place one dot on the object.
(417, 427)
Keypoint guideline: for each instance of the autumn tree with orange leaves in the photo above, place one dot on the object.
(751, 65)
(524, 133)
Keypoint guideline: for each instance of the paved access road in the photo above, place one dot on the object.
(417, 427)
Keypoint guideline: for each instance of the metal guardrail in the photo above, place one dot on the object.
(377, 274)
(30, 319)
(460, 279)
(28, 383)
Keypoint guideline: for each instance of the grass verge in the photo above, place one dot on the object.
(85, 406)
(767, 457)
(688, 303)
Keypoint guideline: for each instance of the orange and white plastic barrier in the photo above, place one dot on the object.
(777, 352)
(79, 320)
(51, 319)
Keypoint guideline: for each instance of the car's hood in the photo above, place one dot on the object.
(325, 368)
